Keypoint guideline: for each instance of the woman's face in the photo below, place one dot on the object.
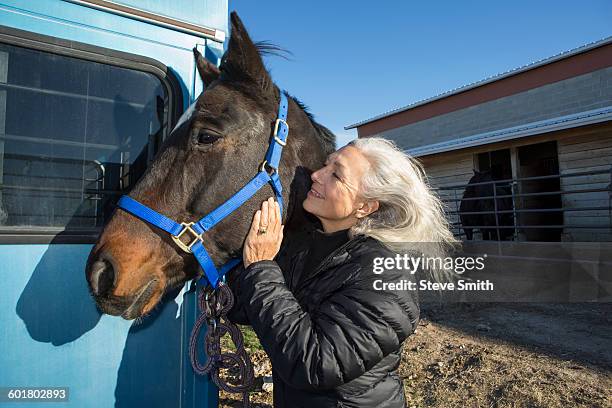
(334, 197)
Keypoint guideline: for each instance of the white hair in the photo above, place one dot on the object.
(409, 213)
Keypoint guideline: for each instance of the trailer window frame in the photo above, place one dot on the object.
(91, 53)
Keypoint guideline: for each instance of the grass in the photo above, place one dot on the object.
(251, 342)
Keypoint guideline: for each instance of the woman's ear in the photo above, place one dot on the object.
(366, 208)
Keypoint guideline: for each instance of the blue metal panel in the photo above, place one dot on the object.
(208, 13)
(51, 333)
(48, 324)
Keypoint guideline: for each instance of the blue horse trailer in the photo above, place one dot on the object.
(88, 90)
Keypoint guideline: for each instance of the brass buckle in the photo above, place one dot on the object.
(276, 138)
(181, 244)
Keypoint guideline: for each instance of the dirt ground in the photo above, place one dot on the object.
(497, 355)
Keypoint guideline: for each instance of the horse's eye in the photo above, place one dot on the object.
(206, 137)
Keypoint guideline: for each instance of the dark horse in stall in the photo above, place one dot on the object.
(486, 208)
(203, 162)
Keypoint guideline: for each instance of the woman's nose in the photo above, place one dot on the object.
(316, 176)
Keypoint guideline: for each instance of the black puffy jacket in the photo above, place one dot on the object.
(334, 341)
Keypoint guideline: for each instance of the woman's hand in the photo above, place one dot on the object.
(266, 234)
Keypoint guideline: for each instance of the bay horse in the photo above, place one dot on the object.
(215, 149)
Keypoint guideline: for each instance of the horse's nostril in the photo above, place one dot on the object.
(102, 277)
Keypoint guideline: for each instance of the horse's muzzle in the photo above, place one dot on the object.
(102, 277)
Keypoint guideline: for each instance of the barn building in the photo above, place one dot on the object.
(542, 131)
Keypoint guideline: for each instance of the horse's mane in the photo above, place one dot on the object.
(327, 136)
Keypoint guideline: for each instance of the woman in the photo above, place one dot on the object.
(333, 339)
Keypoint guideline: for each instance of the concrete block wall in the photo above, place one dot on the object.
(577, 94)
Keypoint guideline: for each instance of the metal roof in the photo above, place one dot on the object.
(515, 71)
(528, 129)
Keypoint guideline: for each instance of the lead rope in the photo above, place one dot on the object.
(214, 305)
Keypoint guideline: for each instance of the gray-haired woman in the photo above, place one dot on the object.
(334, 340)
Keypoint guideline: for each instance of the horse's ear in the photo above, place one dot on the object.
(242, 56)
(207, 70)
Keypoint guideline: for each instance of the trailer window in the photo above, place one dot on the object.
(74, 135)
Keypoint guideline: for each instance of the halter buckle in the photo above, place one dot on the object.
(275, 133)
(187, 228)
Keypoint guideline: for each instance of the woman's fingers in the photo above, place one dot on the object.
(256, 221)
(264, 215)
(269, 217)
(260, 246)
(272, 220)
(278, 218)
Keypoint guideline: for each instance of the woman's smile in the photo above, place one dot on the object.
(315, 193)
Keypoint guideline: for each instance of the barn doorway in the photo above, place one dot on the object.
(498, 164)
(540, 159)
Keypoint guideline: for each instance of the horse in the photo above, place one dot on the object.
(217, 146)
(468, 221)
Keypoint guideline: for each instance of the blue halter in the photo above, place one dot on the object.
(195, 230)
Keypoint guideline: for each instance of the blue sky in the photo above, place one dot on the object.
(356, 59)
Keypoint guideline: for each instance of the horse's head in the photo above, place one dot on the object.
(216, 148)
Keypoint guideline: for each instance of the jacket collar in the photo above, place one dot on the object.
(339, 256)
